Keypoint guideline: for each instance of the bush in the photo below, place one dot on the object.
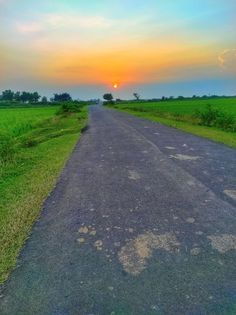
(70, 107)
(208, 116)
(225, 121)
(216, 118)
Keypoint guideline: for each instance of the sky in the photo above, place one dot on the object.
(153, 47)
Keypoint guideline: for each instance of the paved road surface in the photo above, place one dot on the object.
(142, 222)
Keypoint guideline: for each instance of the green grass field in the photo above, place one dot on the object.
(184, 107)
(182, 114)
(20, 121)
(35, 143)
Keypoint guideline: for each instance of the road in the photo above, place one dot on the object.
(142, 221)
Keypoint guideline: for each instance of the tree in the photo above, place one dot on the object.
(64, 97)
(8, 95)
(137, 96)
(35, 97)
(24, 97)
(108, 97)
(17, 97)
(44, 100)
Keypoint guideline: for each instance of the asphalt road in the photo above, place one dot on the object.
(141, 222)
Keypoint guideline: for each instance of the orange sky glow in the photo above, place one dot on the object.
(128, 43)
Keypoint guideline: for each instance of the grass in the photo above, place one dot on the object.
(35, 143)
(185, 107)
(20, 121)
(188, 115)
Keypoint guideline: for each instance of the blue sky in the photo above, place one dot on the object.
(84, 47)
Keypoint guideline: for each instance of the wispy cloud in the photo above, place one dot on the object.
(30, 27)
(71, 22)
(227, 60)
(76, 21)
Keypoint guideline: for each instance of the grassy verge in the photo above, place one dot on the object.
(29, 169)
(185, 122)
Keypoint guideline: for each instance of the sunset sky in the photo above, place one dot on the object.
(153, 47)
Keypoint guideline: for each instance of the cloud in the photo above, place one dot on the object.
(227, 60)
(71, 22)
(76, 21)
(30, 27)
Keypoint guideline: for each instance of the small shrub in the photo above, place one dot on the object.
(208, 116)
(225, 121)
(70, 107)
(216, 118)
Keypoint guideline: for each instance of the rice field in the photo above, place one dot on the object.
(17, 122)
(34, 146)
(183, 107)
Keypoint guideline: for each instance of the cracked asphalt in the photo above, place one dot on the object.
(141, 222)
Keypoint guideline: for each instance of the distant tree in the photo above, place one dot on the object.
(17, 97)
(35, 97)
(25, 97)
(108, 97)
(180, 97)
(64, 97)
(137, 96)
(44, 100)
(7, 95)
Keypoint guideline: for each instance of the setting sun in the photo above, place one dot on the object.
(115, 86)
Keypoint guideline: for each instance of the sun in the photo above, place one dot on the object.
(115, 86)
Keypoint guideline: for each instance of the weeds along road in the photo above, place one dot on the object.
(142, 221)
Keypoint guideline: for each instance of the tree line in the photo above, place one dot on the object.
(24, 97)
(32, 97)
(109, 98)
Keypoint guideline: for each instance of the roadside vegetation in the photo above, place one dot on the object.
(35, 143)
(213, 118)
